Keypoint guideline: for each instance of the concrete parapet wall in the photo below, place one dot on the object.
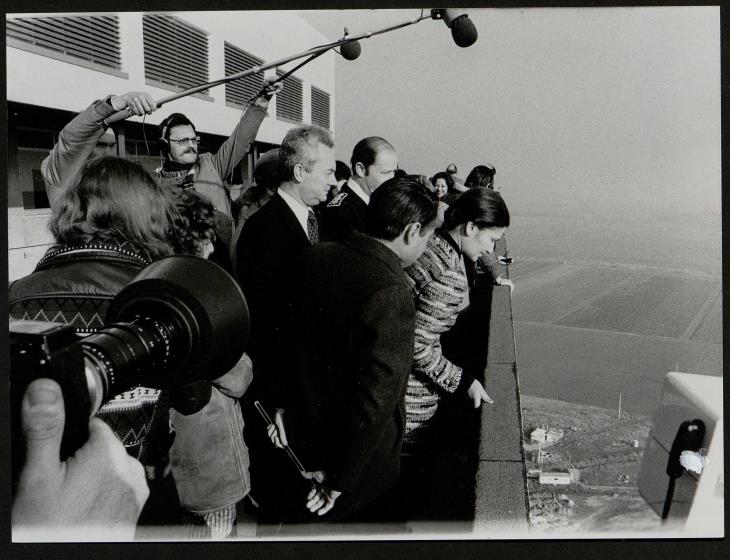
(501, 485)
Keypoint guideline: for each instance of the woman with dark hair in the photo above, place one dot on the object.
(443, 183)
(481, 176)
(108, 227)
(439, 287)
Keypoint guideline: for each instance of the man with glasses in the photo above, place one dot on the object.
(185, 167)
(87, 137)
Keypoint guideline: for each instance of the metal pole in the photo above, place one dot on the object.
(619, 406)
(124, 113)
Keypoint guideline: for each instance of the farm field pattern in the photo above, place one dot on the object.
(587, 333)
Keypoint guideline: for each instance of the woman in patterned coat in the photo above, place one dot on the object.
(439, 287)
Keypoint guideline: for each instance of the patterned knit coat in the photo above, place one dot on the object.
(439, 289)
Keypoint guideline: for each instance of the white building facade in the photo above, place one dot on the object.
(58, 64)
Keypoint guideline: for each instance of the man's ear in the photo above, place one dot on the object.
(412, 232)
(298, 172)
(359, 169)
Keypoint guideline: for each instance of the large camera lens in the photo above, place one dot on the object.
(182, 319)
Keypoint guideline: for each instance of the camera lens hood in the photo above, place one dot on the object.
(200, 296)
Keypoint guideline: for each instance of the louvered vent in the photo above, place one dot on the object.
(320, 107)
(242, 90)
(289, 104)
(175, 53)
(93, 39)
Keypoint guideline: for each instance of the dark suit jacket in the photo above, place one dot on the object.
(343, 213)
(267, 254)
(354, 348)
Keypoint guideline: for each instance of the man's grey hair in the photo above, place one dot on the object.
(298, 148)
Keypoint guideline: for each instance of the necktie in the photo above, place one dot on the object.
(312, 228)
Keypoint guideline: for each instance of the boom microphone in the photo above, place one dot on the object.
(350, 51)
(462, 28)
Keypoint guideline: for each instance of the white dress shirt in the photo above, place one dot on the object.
(301, 211)
(357, 189)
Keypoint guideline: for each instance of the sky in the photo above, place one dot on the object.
(590, 112)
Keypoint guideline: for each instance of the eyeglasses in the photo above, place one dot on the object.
(182, 141)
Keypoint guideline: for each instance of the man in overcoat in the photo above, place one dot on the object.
(268, 251)
(353, 349)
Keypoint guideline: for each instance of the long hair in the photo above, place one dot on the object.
(194, 222)
(115, 200)
(480, 176)
(483, 207)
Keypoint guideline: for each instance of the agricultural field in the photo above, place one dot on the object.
(590, 333)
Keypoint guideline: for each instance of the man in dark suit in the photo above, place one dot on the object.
(271, 242)
(354, 330)
(373, 161)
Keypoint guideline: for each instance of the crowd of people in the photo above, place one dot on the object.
(352, 273)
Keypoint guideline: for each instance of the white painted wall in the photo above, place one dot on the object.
(267, 34)
(47, 82)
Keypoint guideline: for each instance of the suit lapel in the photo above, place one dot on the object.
(290, 226)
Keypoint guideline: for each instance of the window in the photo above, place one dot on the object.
(175, 52)
(289, 104)
(240, 92)
(320, 107)
(92, 39)
(36, 198)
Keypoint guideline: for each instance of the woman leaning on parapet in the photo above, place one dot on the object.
(482, 177)
(439, 287)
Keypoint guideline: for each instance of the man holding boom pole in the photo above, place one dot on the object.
(87, 137)
(184, 167)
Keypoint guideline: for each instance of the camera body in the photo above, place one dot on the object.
(181, 320)
(50, 350)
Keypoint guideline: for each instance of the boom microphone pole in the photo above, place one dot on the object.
(462, 30)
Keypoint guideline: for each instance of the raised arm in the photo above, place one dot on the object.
(76, 142)
(239, 142)
(62, 168)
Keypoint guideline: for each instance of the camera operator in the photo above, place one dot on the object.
(97, 493)
(184, 167)
(107, 227)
